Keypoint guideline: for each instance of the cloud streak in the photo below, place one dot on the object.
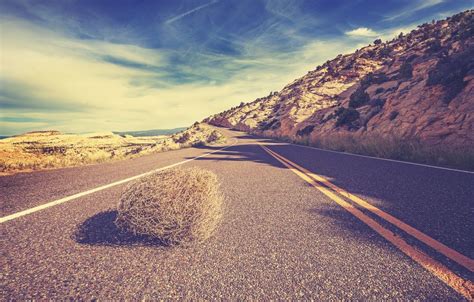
(79, 68)
(412, 9)
(86, 85)
(178, 17)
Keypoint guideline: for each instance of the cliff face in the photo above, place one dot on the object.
(419, 86)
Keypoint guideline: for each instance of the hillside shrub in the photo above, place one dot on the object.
(406, 71)
(183, 138)
(214, 137)
(328, 117)
(270, 125)
(411, 58)
(373, 78)
(393, 115)
(379, 78)
(368, 54)
(377, 103)
(276, 125)
(450, 72)
(276, 107)
(434, 46)
(385, 52)
(359, 98)
(176, 206)
(346, 116)
(305, 131)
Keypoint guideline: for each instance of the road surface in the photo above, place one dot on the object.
(284, 235)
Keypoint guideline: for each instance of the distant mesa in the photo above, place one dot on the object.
(153, 132)
(41, 133)
(48, 149)
(97, 135)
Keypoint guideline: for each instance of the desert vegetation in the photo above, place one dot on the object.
(406, 70)
(346, 116)
(176, 206)
(450, 72)
(395, 148)
(52, 149)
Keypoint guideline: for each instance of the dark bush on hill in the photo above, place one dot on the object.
(271, 125)
(359, 98)
(305, 131)
(373, 78)
(434, 46)
(406, 71)
(385, 52)
(377, 103)
(393, 115)
(346, 116)
(183, 138)
(450, 72)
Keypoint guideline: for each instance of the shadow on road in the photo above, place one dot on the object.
(344, 222)
(100, 229)
(435, 201)
(242, 153)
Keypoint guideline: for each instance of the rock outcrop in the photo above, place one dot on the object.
(418, 86)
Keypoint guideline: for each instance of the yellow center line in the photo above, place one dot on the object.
(464, 287)
(433, 243)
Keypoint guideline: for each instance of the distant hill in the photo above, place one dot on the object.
(39, 150)
(154, 132)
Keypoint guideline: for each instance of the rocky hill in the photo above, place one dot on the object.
(416, 87)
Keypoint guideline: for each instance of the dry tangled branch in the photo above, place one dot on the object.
(178, 206)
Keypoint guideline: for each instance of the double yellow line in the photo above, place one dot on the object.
(462, 286)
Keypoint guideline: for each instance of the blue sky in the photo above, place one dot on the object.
(80, 66)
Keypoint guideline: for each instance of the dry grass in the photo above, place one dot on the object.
(399, 149)
(177, 206)
(52, 149)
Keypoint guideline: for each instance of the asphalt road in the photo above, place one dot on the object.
(280, 237)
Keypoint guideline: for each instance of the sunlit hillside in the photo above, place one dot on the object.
(53, 149)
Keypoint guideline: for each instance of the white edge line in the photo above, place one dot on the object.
(119, 182)
(385, 159)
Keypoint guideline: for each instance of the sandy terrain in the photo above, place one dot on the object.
(52, 149)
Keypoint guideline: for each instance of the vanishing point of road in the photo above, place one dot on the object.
(299, 224)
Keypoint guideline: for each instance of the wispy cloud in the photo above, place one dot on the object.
(86, 85)
(413, 8)
(362, 32)
(78, 67)
(180, 16)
